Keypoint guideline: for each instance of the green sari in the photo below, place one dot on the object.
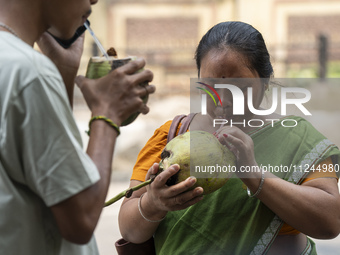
(228, 221)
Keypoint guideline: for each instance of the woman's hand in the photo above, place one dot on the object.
(239, 143)
(161, 198)
(157, 200)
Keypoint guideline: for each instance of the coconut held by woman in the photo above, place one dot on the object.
(197, 153)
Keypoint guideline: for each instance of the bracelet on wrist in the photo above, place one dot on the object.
(260, 186)
(107, 120)
(140, 211)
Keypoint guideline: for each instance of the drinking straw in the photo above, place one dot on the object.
(100, 46)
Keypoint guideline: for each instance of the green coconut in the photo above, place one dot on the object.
(189, 150)
(101, 66)
(199, 154)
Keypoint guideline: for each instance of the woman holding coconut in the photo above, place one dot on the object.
(258, 212)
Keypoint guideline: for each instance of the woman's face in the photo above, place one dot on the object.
(227, 63)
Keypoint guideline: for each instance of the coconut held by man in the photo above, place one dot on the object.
(101, 66)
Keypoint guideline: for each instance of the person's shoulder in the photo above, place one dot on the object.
(298, 126)
(19, 57)
(290, 120)
(162, 131)
(300, 121)
(164, 128)
(288, 125)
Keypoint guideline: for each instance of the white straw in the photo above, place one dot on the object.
(100, 46)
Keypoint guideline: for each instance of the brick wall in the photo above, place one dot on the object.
(161, 36)
(168, 43)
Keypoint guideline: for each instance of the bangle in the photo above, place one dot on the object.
(107, 120)
(260, 186)
(140, 211)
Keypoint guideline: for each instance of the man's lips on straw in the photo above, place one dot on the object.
(86, 16)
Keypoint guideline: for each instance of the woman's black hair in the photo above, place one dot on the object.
(241, 37)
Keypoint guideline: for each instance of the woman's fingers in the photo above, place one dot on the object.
(152, 171)
(188, 202)
(161, 179)
(239, 143)
(182, 187)
(178, 196)
(185, 197)
(231, 142)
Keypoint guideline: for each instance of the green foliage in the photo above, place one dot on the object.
(311, 70)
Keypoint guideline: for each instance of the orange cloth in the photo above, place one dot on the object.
(151, 153)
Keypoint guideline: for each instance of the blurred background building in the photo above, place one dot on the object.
(303, 36)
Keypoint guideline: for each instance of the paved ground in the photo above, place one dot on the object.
(107, 231)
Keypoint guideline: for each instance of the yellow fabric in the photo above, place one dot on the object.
(151, 153)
